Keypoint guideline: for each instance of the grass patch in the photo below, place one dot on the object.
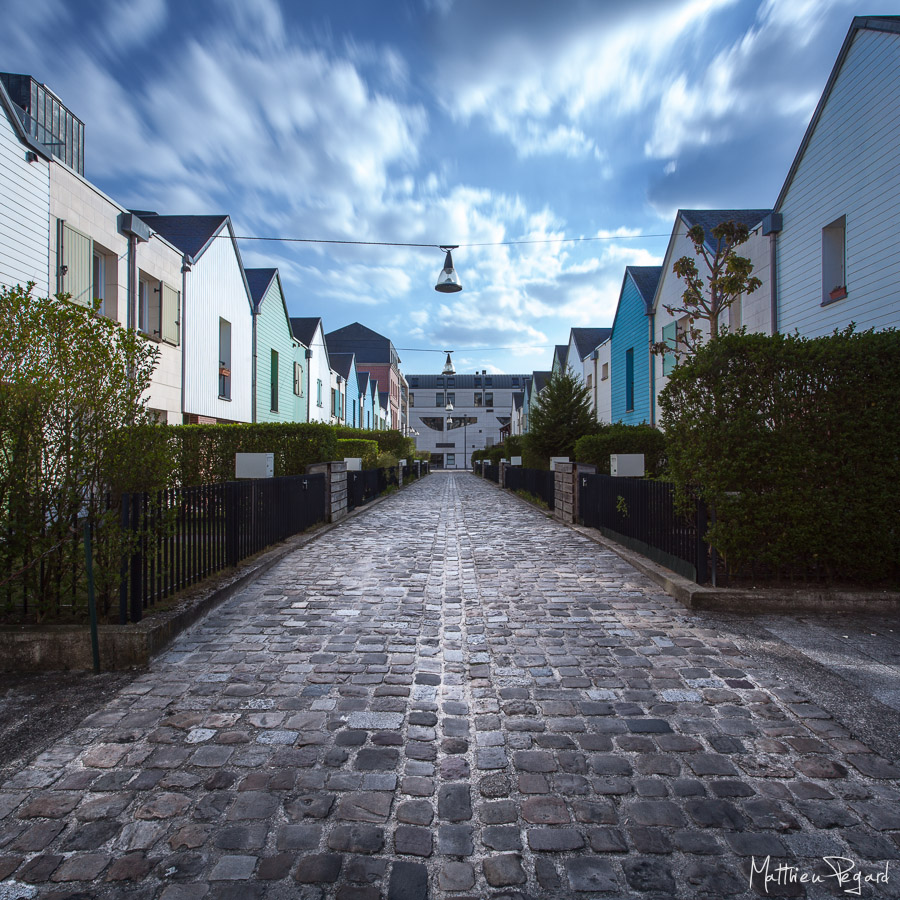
(533, 499)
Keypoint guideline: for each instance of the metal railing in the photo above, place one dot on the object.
(538, 482)
(179, 537)
(641, 515)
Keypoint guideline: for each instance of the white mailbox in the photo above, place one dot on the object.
(557, 459)
(626, 465)
(515, 460)
(354, 463)
(402, 462)
(254, 465)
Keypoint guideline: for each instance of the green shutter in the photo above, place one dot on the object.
(75, 261)
(170, 315)
(670, 339)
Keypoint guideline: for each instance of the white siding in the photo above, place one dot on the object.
(851, 168)
(319, 370)
(603, 386)
(24, 213)
(85, 207)
(215, 289)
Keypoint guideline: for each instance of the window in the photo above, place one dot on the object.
(451, 460)
(590, 382)
(488, 398)
(273, 381)
(412, 399)
(629, 379)
(479, 398)
(439, 399)
(478, 381)
(604, 372)
(834, 246)
(515, 382)
(319, 392)
(451, 398)
(670, 339)
(224, 359)
(298, 379)
(488, 381)
(354, 414)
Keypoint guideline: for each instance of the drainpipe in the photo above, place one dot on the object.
(773, 284)
(253, 371)
(130, 316)
(186, 262)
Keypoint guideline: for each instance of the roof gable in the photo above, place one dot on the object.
(305, 328)
(342, 363)
(259, 280)
(190, 234)
(586, 340)
(890, 24)
(368, 345)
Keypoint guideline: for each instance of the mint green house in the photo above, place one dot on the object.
(279, 359)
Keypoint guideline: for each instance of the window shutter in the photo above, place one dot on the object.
(670, 339)
(170, 315)
(75, 262)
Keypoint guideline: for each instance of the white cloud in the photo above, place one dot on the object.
(131, 22)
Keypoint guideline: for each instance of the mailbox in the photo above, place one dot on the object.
(254, 465)
(626, 465)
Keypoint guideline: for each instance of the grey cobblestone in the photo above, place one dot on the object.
(487, 704)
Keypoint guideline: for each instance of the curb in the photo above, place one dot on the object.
(695, 597)
(56, 648)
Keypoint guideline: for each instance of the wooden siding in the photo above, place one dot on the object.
(24, 214)
(603, 386)
(319, 370)
(215, 289)
(273, 333)
(850, 168)
(630, 332)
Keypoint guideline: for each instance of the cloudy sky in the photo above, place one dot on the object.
(508, 128)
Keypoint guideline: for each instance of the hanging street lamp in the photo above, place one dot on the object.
(448, 366)
(448, 280)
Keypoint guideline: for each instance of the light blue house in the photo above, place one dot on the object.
(632, 334)
(278, 357)
(348, 387)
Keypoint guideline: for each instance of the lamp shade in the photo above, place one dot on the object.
(448, 366)
(448, 280)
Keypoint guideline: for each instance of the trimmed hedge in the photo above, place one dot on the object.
(796, 446)
(596, 449)
(366, 450)
(388, 441)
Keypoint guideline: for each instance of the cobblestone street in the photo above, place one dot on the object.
(451, 695)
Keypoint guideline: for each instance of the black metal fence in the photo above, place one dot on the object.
(641, 515)
(491, 471)
(538, 482)
(183, 535)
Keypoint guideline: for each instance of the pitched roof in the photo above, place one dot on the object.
(259, 281)
(304, 328)
(190, 234)
(383, 399)
(362, 379)
(588, 339)
(646, 279)
(342, 363)
(540, 380)
(369, 346)
(860, 23)
(708, 219)
(561, 352)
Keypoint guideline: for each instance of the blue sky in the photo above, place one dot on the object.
(470, 122)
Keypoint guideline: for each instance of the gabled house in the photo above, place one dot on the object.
(560, 359)
(345, 394)
(24, 199)
(365, 401)
(309, 332)
(378, 412)
(581, 354)
(216, 320)
(837, 217)
(279, 359)
(602, 393)
(376, 355)
(629, 349)
(384, 410)
(669, 290)
(538, 383)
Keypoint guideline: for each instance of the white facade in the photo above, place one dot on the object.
(24, 208)
(846, 176)
(319, 378)
(602, 383)
(218, 307)
(83, 210)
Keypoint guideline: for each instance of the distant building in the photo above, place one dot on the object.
(481, 408)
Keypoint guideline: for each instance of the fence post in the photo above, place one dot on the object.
(563, 492)
(232, 522)
(701, 550)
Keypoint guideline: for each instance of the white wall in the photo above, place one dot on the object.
(603, 386)
(849, 169)
(215, 289)
(319, 370)
(24, 213)
(86, 208)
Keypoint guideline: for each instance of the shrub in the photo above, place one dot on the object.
(388, 441)
(793, 442)
(365, 450)
(596, 449)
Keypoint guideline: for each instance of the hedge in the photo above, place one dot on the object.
(365, 450)
(596, 449)
(794, 444)
(388, 441)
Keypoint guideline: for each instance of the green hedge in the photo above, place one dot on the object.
(355, 447)
(206, 452)
(388, 441)
(596, 449)
(795, 444)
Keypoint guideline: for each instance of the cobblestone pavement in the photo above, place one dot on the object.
(452, 696)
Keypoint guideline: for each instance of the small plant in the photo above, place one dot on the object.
(532, 498)
(621, 507)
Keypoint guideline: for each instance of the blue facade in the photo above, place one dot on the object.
(630, 354)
